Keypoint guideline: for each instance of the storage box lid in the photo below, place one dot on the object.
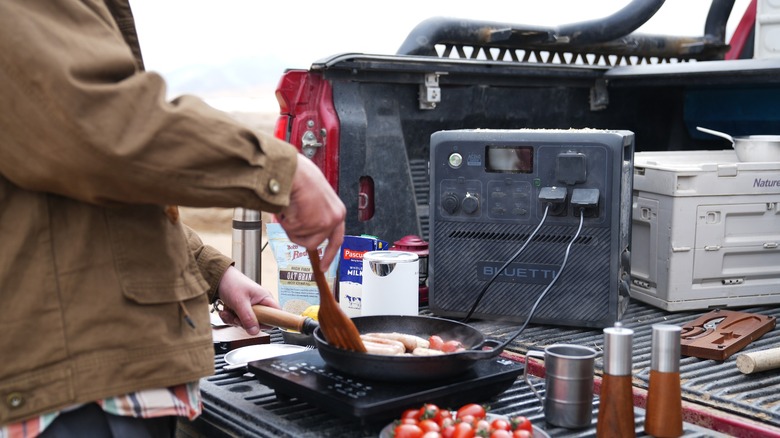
(703, 173)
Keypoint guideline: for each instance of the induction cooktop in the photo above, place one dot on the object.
(305, 376)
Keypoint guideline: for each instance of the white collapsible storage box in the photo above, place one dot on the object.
(705, 230)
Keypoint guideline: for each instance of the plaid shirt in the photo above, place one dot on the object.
(182, 400)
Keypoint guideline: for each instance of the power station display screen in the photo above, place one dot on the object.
(509, 159)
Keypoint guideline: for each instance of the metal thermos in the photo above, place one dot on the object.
(247, 242)
(664, 398)
(616, 406)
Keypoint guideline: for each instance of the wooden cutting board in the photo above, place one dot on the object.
(228, 338)
(719, 334)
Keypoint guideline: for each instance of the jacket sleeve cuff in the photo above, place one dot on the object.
(213, 265)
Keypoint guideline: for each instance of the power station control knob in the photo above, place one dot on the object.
(450, 203)
(470, 204)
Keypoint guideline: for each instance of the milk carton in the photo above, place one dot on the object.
(351, 270)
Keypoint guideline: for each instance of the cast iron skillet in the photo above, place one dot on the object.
(410, 368)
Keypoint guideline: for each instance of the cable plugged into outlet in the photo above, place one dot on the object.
(554, 198)
(585, 200)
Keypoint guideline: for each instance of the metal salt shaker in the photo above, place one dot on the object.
(616, 407)
(664, 398)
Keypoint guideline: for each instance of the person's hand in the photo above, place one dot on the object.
(315, 212)
(240, 293)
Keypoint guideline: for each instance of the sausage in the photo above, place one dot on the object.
(410, 341)
(424, 351)
(385, 347)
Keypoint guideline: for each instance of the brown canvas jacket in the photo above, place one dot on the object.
(94, 277)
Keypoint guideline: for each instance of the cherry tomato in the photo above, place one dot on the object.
(429, 426)
(407, 431)
(448, 431)
(500, 433)
(442, 416)
(470, 419)
(431, 434)
(521, 423)
(482, 427)
(477, 410)
(436, 342)
(411, 413)
(446, 422)
(463, 430)
(452, 346)
(522, 433)
(428, 411)
(500, 424)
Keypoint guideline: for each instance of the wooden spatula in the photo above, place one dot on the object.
(334, 323)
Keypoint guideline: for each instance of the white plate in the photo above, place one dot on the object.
(387, 431)
(241, 356)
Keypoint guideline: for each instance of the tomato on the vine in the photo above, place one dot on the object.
(521, 423)
(446, 422)
(442, 416)
(500, 424)
(411, 413)
(477, 410)
(470, 419)
(482, 427)
(463, 430)
(429, 426)
(428, 411)
(407, 431)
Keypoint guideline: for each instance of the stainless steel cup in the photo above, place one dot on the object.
(568, 400)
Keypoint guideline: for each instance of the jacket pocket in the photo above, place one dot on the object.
(153, 260)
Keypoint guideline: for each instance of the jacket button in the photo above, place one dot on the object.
(15, 400)
(274, 186)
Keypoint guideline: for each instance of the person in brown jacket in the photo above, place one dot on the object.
(105, 292)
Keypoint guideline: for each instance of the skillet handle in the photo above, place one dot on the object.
(496, 348)
(493, 344)
(279, 318)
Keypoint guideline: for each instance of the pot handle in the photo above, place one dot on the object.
(717, 133)
(528, 355)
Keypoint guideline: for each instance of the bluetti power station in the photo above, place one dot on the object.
(509, 207)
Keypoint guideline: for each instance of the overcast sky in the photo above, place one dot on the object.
(178, 34)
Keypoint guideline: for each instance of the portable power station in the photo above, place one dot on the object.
(564, 194)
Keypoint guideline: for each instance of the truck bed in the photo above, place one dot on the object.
(372, 116)
(718, 400)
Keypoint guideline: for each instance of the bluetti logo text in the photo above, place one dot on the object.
(517, 272)
(764, 183)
